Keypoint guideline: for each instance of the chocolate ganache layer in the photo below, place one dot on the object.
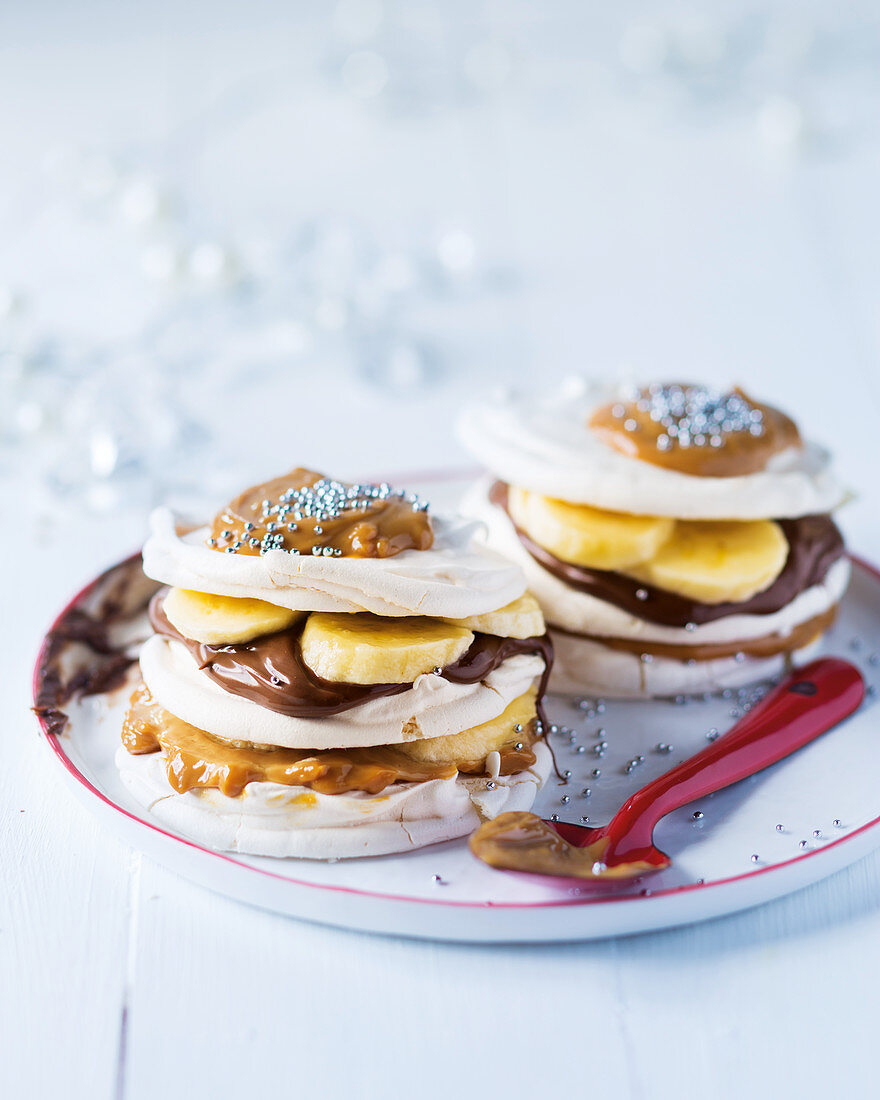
(814, 545)
(271, 671)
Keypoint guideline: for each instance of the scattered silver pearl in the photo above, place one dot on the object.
(438, 881)
(697, 815)
(712, 735)
(754, 857)
(491, 785)
(596, 773)
(780, 828)
(554, 817)
(584, 819)
(586, 792)
(837, 823)
(566, 798)
(803, 844)
(641, 593)
(817, 833)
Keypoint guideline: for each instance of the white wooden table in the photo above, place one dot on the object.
(684, 250)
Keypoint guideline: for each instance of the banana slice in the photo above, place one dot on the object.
(520, 619)
(218, 620)
(588, 536)
(717, 562)
(471, 747)
(369, 649)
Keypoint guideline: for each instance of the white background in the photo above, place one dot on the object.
(666, 209)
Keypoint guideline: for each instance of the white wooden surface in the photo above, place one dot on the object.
(685, 250)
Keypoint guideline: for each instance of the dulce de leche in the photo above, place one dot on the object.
(304, 512)
(695, 430)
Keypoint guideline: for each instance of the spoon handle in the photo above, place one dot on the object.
(808, 702)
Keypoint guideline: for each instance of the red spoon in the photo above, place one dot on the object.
(807, 703)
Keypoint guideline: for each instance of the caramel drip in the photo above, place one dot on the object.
(513, 760)
(814, 545)
(195, 759)
(270, 670)
(362, 525)
(769, 645)
(720, 450)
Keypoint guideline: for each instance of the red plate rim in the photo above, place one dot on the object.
(56, 747)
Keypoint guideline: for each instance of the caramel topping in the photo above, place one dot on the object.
(696, 430)
(195, 759)
(305, 513)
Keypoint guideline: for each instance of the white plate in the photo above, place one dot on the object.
(732, 857)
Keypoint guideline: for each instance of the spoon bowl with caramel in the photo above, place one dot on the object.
(807, 703)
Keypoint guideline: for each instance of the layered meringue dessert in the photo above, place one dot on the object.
(334, 672)
(678, 538)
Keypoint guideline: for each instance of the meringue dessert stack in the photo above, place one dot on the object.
(334, 673)
(677, 537)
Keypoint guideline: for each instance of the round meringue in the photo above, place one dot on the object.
(270, 819)
(544, 443)
(456, 578)
(432, 707)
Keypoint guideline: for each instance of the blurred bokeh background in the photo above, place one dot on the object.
(237, 237)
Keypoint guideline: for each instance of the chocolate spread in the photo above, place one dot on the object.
(306, 513)
(270, 670)
(768, 645)
(814, 545)
(696, 430)
(80, 655)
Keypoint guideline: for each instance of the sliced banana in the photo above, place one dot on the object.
(717, 561)
(219, 620)
(473, 746)
(587, 536)
(368, 649)
(520, 619)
